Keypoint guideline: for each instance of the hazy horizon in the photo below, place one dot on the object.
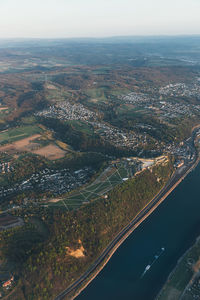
(98, 18)
(103, 37)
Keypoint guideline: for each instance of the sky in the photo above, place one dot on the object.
(97, 18)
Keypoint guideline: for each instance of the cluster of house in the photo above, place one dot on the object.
(162, 109)
(181, 90)
(67, 111)
(64, 181)
(119, 137)
(166, 109)
(184, 152)
(55, 181)
(135, 98)
(192, 290)
(170, 110)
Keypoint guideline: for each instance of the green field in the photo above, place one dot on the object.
(98, 93)
(101, 70)
(58, 95)
(120, 91)
(81, 126)
(4, 113)
(18, 133)
(103, 184)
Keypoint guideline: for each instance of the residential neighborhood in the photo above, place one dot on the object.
(56, 182)
(67, 111)
(118, 137)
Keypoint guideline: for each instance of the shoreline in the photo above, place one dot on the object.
(86, 281)
(176, 266)
(132, 229)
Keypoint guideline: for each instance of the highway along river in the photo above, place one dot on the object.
(173, 226)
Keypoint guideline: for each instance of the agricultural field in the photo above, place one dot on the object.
(97, 94)
(30, 139)
(4, 110)
(81, 126)
(115, 174)
(50, 151)
(18, 133)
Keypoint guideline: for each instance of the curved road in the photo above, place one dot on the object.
(178, 175)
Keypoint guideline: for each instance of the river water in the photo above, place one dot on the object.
(174, 225)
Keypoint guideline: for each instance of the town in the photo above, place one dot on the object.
(56, 182)
(67, 111)
(182, 89)
(118, 137)
(162, 106)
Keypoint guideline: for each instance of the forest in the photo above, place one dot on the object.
(47, 266)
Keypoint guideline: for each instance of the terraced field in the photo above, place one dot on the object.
(107, 180)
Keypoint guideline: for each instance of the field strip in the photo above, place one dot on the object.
(119, 174)
(65, 205)
(109, 181)
(18, 135)
(83, 195)
(98, 180)
(95, 190)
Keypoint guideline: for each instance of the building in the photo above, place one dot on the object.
(8, 283)
(8, 221)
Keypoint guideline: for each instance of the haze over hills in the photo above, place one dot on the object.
(91, 130)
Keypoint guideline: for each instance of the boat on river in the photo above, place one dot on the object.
(155, 258)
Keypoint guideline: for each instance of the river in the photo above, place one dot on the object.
(174, 225)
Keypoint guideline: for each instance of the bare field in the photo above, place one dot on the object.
(51, 152)
(25, 144)
(21, 145)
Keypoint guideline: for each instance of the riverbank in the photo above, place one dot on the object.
(180, 281)
(142, 215)
(125, 237)
(130, 232)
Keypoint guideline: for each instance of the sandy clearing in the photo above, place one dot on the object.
(51, 87)
(55, 200)
(94, 100)
(3, 108)
(51, 152)
(78, 253)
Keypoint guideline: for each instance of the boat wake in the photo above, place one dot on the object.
(155, 258)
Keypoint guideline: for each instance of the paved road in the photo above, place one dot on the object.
(173, 180)
(180, 173)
